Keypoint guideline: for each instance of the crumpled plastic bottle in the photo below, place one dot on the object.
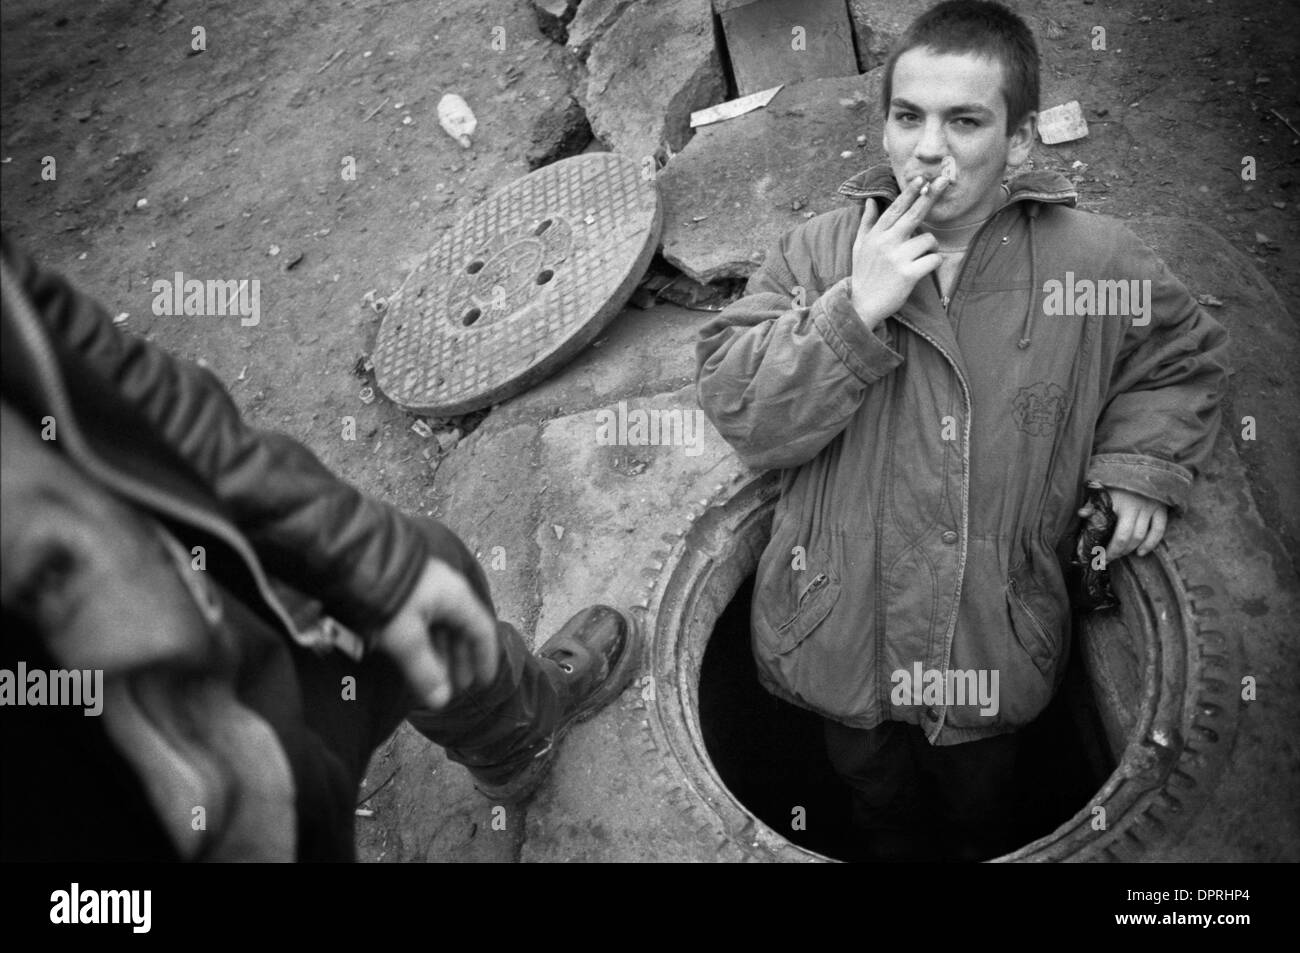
(457, 118)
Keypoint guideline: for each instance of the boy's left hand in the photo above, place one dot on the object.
(1141, 524)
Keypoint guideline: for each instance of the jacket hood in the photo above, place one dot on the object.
(878, 182)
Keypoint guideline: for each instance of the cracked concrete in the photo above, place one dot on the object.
(649, 66)
(534, 464)
(741, 184)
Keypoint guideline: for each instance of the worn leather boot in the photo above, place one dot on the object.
(590, 661)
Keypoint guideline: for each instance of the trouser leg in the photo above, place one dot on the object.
(352, 707)
(493, 730)
(877, 765)
(975, 784)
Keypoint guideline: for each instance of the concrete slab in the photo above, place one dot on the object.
(622, 506)
(771, 42)
(592, 21)
(648, 71)
(640, 353)
(609, 797)
(429, 812)
(616, 500)
(504, 494)
(486, 490)
(741, 184)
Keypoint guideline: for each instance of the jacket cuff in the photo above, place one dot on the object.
(1150, 476)
(864, 352)
(392, 592)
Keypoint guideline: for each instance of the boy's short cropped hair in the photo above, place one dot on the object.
(986, 29)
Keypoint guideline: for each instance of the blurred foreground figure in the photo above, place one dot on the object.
(207, 634)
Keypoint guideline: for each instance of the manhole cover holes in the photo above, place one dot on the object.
(519, 286)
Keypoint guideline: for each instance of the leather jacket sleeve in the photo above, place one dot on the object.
(359, 556)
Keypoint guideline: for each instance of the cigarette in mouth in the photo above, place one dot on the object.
(947, 170)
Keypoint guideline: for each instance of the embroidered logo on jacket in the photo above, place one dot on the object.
(1039, 408)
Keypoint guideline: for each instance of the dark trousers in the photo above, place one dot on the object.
(491, 730)
(917, 801)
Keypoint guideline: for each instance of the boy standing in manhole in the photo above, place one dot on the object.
(938, 371)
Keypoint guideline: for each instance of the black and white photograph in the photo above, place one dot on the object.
(650, 432)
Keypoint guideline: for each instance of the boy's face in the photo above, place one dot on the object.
(950, 106)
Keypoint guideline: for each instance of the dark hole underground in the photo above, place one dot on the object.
(771, 755)
(472, 315)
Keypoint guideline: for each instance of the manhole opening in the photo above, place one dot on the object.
(475, 266)
(472, 315)
(544, 276)
(772, 757)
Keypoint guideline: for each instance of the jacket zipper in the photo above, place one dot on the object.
(965, 498)
(965, 489)
(47, 373)
(938, 289)
(961, 272)
(1040, 630)
(819, 582)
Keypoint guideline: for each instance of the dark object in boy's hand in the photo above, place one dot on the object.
(1092, 589)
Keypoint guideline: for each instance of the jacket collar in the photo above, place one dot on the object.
(878, 183)
(1049, 187)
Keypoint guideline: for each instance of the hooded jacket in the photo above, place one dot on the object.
(931, 469)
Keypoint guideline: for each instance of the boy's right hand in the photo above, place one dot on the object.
(889, 258)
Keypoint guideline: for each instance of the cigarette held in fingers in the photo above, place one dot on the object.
(948, 170)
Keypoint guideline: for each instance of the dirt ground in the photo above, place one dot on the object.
(239, 150)
(229, 162)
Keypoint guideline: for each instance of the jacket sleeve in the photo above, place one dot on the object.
(1162, 406)
(780, 381)
(359, 556)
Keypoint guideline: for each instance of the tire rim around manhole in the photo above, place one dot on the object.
(1178, 726)
(519, 286)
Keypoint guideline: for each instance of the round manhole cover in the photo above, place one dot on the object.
(519, 286)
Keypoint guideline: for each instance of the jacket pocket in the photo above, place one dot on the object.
(795, 605)
(1035, 620)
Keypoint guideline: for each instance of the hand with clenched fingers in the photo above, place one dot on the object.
(443, 638)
